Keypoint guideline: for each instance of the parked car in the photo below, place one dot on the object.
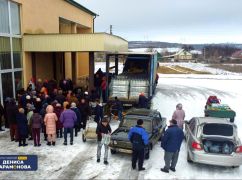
(213, 141)
(154, 124)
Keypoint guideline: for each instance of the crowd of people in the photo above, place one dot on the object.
(55, 110)
(49, 108)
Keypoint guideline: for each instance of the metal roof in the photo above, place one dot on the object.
(74, 3)
(96, 42)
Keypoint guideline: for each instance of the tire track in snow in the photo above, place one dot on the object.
(73, 168)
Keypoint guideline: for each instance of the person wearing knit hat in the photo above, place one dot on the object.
(139, 139)
(103, 132)
(78, 116)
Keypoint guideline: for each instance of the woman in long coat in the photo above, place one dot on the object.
(50, 122)
(22, 124)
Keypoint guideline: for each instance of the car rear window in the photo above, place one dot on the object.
(218, 129)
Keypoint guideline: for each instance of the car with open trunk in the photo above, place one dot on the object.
(213, 141)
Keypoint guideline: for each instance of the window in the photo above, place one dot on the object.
(218, 129)
(17, 53)
(192, 125)
(7, 81)
(5, 53)
(4, 18)
(18, 81)
(15, 20)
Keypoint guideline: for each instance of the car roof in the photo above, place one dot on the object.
(142, 112)
(205, 120)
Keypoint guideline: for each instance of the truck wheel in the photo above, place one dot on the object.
(113, 151)
(84, 138)
(188, 158)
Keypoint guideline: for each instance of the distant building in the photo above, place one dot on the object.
(183, 55)
(237, 55)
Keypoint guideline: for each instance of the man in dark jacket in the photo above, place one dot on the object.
(171, 143)
(11, 111)
(22, 124)
(143, 101)
(84, 110)
(103, 129)
(98, 112)
(118, 106)
(68, 118)
(78, 115)
(139, 139)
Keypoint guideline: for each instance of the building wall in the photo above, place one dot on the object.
(44, 66)
(42, 16)
(82, 64)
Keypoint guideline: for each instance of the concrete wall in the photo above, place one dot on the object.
(42, 16)
(27, 68)
(83, 64)
(44, 66)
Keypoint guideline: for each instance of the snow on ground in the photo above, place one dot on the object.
(79, 161)
(201, 67)
(193, 93)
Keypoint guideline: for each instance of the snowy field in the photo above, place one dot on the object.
(202, 67)
(79, 161)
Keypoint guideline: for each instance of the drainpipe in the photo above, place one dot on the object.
(93, 23)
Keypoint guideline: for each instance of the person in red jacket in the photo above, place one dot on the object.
(104, 87)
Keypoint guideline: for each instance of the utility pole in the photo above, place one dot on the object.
(111, 29)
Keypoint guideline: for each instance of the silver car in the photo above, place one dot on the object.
(213, 141)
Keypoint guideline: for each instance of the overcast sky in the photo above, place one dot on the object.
(182, 21)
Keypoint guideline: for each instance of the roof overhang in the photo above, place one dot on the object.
(97, 42)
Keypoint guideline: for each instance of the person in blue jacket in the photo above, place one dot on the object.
(171, 143)
(139, 139)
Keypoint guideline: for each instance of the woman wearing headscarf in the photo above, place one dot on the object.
(179, 115)
(50, 122)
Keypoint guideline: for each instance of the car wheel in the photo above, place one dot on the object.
(188, 158)
(147, 155)
(84, 138)
(113, 151)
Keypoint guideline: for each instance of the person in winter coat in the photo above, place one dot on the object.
(60, 97)
(98, 111)
(179, 115)
(36, 122)
(68, 119)
(102, 129)
(171, 143)
(78, 116)
(22, 125)
(59, 126)
(84, 110)
(50, 123)
(11, 111)
(139, 139)
(30, 112)
(104, 88)
(43, 113)
(38, 105)
(143, 101)
(118, 106)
